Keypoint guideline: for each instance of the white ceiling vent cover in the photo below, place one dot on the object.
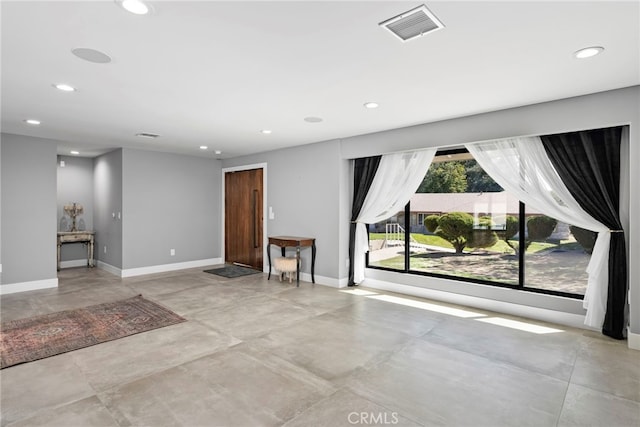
(414, 23)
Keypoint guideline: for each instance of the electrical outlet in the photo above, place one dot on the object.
(172, 252)
(105, 249)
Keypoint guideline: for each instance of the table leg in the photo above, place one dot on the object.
(298, 266)
(90, 249)
(269, 257)
(313, 261)
(58, 265)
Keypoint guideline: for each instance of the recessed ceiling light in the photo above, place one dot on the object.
(64, 87)
(588, 52)
(266, 131)
(147, 135)
(33, 122)
(203, 147)
(218, 152)
(91, 55)
(136, 7)
(74, 152)
(371, 105)
(312, 119)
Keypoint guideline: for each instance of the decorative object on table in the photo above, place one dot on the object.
(73, 211)
(230, 271)
(286, 266)
(33, 338)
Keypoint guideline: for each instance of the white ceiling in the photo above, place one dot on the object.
(216, 73)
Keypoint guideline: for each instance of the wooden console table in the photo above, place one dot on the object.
(86, 237)
(294, 242)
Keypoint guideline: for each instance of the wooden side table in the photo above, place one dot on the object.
(294, 242)
(86, 237)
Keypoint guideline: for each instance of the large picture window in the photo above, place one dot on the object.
(460, 223)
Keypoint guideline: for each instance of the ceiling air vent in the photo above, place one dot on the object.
(414, 23)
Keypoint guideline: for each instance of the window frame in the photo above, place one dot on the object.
(521, 254)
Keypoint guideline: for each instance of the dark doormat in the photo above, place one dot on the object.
(231, 271)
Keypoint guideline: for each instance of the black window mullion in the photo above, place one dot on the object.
(407, 235)
(522, 223)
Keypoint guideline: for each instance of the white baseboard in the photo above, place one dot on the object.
(130, 272)
(546, 315)
(109, 268)
(12, 288)
(325, 281)
(73, 263)
(633, 340)
(320, 280)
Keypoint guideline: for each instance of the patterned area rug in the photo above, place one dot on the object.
(231, 271)
(33, 338)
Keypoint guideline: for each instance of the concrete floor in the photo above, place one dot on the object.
(257, 352)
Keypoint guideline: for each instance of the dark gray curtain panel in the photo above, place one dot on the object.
(364, 171)
(588, 163)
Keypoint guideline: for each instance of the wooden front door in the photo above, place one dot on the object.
(243, 217)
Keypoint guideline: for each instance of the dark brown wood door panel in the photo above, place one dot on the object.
(243, 217)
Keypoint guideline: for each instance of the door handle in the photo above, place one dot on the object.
(255, 218)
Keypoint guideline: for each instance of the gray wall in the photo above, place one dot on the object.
(28, 209)
(304, 188)
(75, 184)
(169, 201)
(107, 182)
(0, 210)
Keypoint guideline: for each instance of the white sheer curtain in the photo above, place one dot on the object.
(522, 168)
(398, 177)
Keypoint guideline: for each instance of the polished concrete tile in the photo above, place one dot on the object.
(176, 398)
(586, 407)
(109, 364)
(87, 412)
(85, 297)
(258, 283)
(607, 365)
(29, 388)
(195, 299)
(331, 347)
(439, 385)
(263, 352)
(551, 354)
(261, 381)
(320, 298)
(254, 316)
(166, 285)
(347, 409)
(376, 313)
(16, 306)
